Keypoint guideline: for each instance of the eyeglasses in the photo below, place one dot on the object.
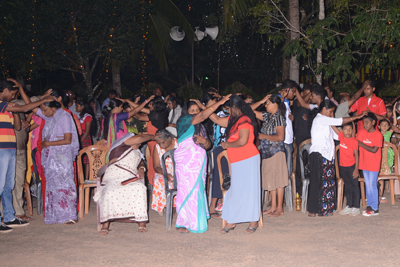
(267, 103)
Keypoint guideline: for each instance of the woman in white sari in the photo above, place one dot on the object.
(122, 195)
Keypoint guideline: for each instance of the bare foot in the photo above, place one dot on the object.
(275, 213)
(104, 228)
(383, 200)
(183, 230)
(268, 211)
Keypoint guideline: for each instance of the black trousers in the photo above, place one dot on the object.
(315, 179)
(351, 185)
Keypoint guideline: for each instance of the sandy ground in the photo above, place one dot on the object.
(290, 240)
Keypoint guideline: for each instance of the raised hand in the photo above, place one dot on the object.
(17, 84)
(49, 98)
(48, 92)
(198, 103)
(224, 99)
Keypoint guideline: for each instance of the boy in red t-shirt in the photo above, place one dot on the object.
(370, 142)
(348, 168)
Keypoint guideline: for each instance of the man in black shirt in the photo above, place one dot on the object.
(302, 130)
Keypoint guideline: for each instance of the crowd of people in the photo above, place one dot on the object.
(258, 138)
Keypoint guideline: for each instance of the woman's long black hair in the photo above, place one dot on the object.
(326, 103)
(107, 112)
(281, 105)
(88, 110)
(237, 101)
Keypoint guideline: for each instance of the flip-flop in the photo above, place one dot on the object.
(312, 215)
(142, 228)
(217, 215)
(226, 230)
(70, 222)
(251, 229)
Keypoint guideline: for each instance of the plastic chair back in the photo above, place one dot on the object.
(167, 154)
(170, 193)
(304, 146)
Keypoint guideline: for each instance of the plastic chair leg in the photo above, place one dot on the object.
(40, 198)
(293, 177)
(340, 187)
(288, 196)
(391, 181)
(81, 202)
(305, 195)
(362, 186)
(87, 193)
(168, 211)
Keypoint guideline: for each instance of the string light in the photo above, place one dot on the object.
(33, 39)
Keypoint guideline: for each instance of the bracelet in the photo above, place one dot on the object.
(146, 101)
(144, 168)
(211, 109)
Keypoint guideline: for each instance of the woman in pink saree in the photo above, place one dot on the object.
(190, 169)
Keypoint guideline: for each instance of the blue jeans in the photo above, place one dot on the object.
(289, 158)
(371, 188)
(7, 182)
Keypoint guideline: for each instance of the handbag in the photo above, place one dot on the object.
(226, 181)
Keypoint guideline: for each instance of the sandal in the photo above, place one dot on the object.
(251, 229)
(142, 230)
(311, 215)
(226, 230)
(70, 222)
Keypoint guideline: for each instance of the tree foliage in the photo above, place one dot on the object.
(354, 34)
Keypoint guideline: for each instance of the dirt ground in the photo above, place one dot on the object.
(290, 240)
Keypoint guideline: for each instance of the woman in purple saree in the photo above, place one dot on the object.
(60, 148)
(190, 169)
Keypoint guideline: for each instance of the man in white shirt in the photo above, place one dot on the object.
(287, 94)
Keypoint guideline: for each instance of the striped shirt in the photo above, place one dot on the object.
(7, 134)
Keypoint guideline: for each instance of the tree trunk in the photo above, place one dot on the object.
(286, 60)
(116, 75)
(319, 51)
(294, 18)
(87, 75)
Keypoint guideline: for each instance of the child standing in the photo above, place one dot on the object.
(370, 142)
(348, 168)
(386, 131)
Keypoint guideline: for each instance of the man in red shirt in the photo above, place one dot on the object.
(371, 103)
